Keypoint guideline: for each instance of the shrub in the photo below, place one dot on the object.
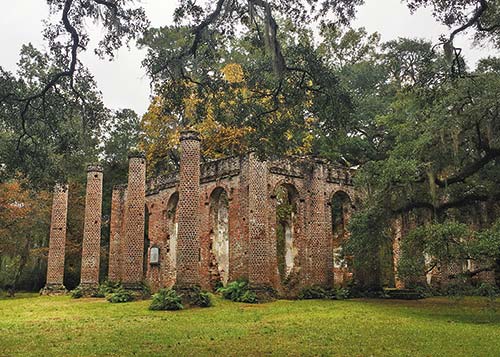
(489, 290)
(341, 293)
(166, 299)
(238, 291)
(201, 299)
(249, 297)
(76, 293)
(106, 288)
(313, 292)
(120, 295)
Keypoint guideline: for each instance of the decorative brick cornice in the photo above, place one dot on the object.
(190, 135)
(136, 154)
(94, 168)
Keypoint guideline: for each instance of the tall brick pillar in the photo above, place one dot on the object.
(133, 244)
(55, 264)
(318, 254)
(188, 210)
(91, 249)
(116, 228)
(259, 241)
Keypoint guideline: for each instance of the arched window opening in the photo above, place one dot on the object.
(146, 241)
(341, 208)
(286, 212)
(219, 237)
(341, 212)
(172, 224)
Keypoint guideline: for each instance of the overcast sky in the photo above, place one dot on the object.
(124, 83)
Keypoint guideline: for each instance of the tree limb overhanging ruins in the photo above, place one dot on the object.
(128, 23)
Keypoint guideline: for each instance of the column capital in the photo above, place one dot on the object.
(136, 154)
(190, 135)
(94, 168)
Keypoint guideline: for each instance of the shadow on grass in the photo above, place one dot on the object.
(470, 310)
(21, 295)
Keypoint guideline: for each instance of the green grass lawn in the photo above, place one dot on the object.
(50, 326)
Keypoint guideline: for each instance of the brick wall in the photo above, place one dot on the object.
(184, 230)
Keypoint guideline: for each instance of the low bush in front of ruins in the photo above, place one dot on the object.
(166, 299)
(120, 295)
(313, 292)
(318, 292)
(238, 291)
(76, 293)
(201, 298)
(106, 288)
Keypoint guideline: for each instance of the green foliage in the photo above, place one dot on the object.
(444, 244)
(341, 293)
(120, 295)
(313, 292)
(166, 299)
(106, 288)
(238, 291)
(201, 299)
(76, 293)
(488, 290)
(194, 296)
(367, 244)
(317, 292)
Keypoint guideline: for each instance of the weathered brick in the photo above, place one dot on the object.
(91, 246)
(55, 264)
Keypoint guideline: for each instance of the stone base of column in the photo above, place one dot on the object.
(53, 290)
(89, 289)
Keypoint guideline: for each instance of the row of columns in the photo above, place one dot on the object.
(127, 225)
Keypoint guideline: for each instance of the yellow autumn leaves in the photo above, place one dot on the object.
(215, 114)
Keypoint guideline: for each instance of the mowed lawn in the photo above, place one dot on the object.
(59, 326)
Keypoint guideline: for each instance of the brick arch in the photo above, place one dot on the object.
(148, 209)
(219, 186)
(171, 217)
(287, 183)
(218, 244)
(288, 236)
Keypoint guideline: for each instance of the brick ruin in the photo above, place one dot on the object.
(57, 242)
(279, 224)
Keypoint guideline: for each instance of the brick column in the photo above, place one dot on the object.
(133, 244)
(318, 254)
(55, 264)
(91, 246)
(188, 234)
(115, 234)
(259, 242)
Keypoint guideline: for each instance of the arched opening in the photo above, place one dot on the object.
(341, 209)
(147, 242)
(219, 238)
(171, 243)
(286, 214)
(341, 212)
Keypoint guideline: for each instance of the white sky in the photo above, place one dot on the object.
(124, 83)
